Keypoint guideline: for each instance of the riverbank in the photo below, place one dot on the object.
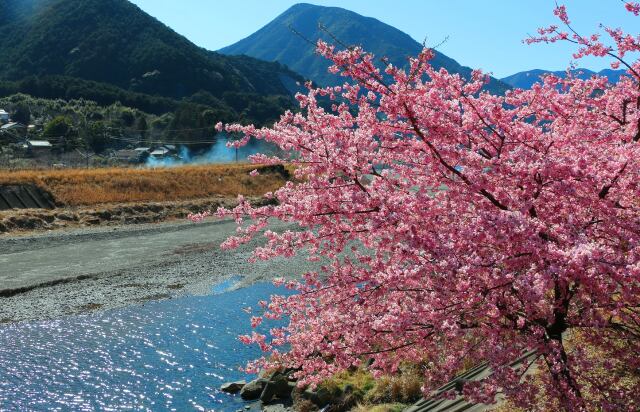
(118, 196)
(28, 221)
(66, 272)
(90, 187)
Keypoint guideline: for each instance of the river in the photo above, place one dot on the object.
(170, 355)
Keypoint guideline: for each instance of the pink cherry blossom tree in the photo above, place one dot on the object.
(453, 226)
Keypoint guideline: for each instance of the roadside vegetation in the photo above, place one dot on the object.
(79, 187)
(359, 391)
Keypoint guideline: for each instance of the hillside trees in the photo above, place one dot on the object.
(457, 226)
(111, 51)
(189, 123)
(127, 117)
(22, 114)
(55, 87)
(142, 126)
(60, 126)
(114, 42)
(96, 137)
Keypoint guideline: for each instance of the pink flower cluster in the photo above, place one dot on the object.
(633, 7)
(198, 217)
(592, 45)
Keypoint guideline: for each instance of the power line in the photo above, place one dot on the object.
(133, 140)
(166, 130)
(137, 141)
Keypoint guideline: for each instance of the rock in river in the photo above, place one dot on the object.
(252, 390)
(233, 387)
(278, 387)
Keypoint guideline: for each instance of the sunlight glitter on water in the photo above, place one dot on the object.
(169, 355)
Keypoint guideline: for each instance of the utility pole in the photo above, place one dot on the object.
(86, 156)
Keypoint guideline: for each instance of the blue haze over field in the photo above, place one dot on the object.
(217, 153)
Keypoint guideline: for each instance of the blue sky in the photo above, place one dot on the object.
(482, 34)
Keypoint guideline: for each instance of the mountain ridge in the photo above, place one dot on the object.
(115, 43)
(277, 42)
(526, 79)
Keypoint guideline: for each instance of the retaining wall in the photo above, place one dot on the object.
(25, 197)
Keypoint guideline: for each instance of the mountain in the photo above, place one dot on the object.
(113, 42)
(526, 79)
(277, 42)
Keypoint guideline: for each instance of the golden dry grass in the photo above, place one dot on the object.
(403, 387)
(386, 407)
(390, 393)
(77, 187)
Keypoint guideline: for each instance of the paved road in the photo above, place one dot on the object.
(45, 275)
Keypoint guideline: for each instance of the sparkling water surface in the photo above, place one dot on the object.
(161, 356)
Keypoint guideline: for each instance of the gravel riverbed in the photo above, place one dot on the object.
(65, 272)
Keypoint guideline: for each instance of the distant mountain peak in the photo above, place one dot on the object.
(304, 5)
(277, 42)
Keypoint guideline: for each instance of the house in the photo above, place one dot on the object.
(143, 153)
(172, 148)
(38, 148)
(12, 126)
(160, 153)
(127, 155)
(13, 129)
(4, 116)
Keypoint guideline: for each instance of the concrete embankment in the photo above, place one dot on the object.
(25, 196)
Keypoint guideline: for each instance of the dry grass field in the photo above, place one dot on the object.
(86, 187)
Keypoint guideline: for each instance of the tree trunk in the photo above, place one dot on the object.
(557, 362)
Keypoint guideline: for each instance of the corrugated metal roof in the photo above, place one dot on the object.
(11, 125)
(39, 143)
(160, 151)
(126, 152)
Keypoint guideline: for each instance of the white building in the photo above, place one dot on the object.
(13, 126)
(4, 116)
(38, 148)
(160, 153)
